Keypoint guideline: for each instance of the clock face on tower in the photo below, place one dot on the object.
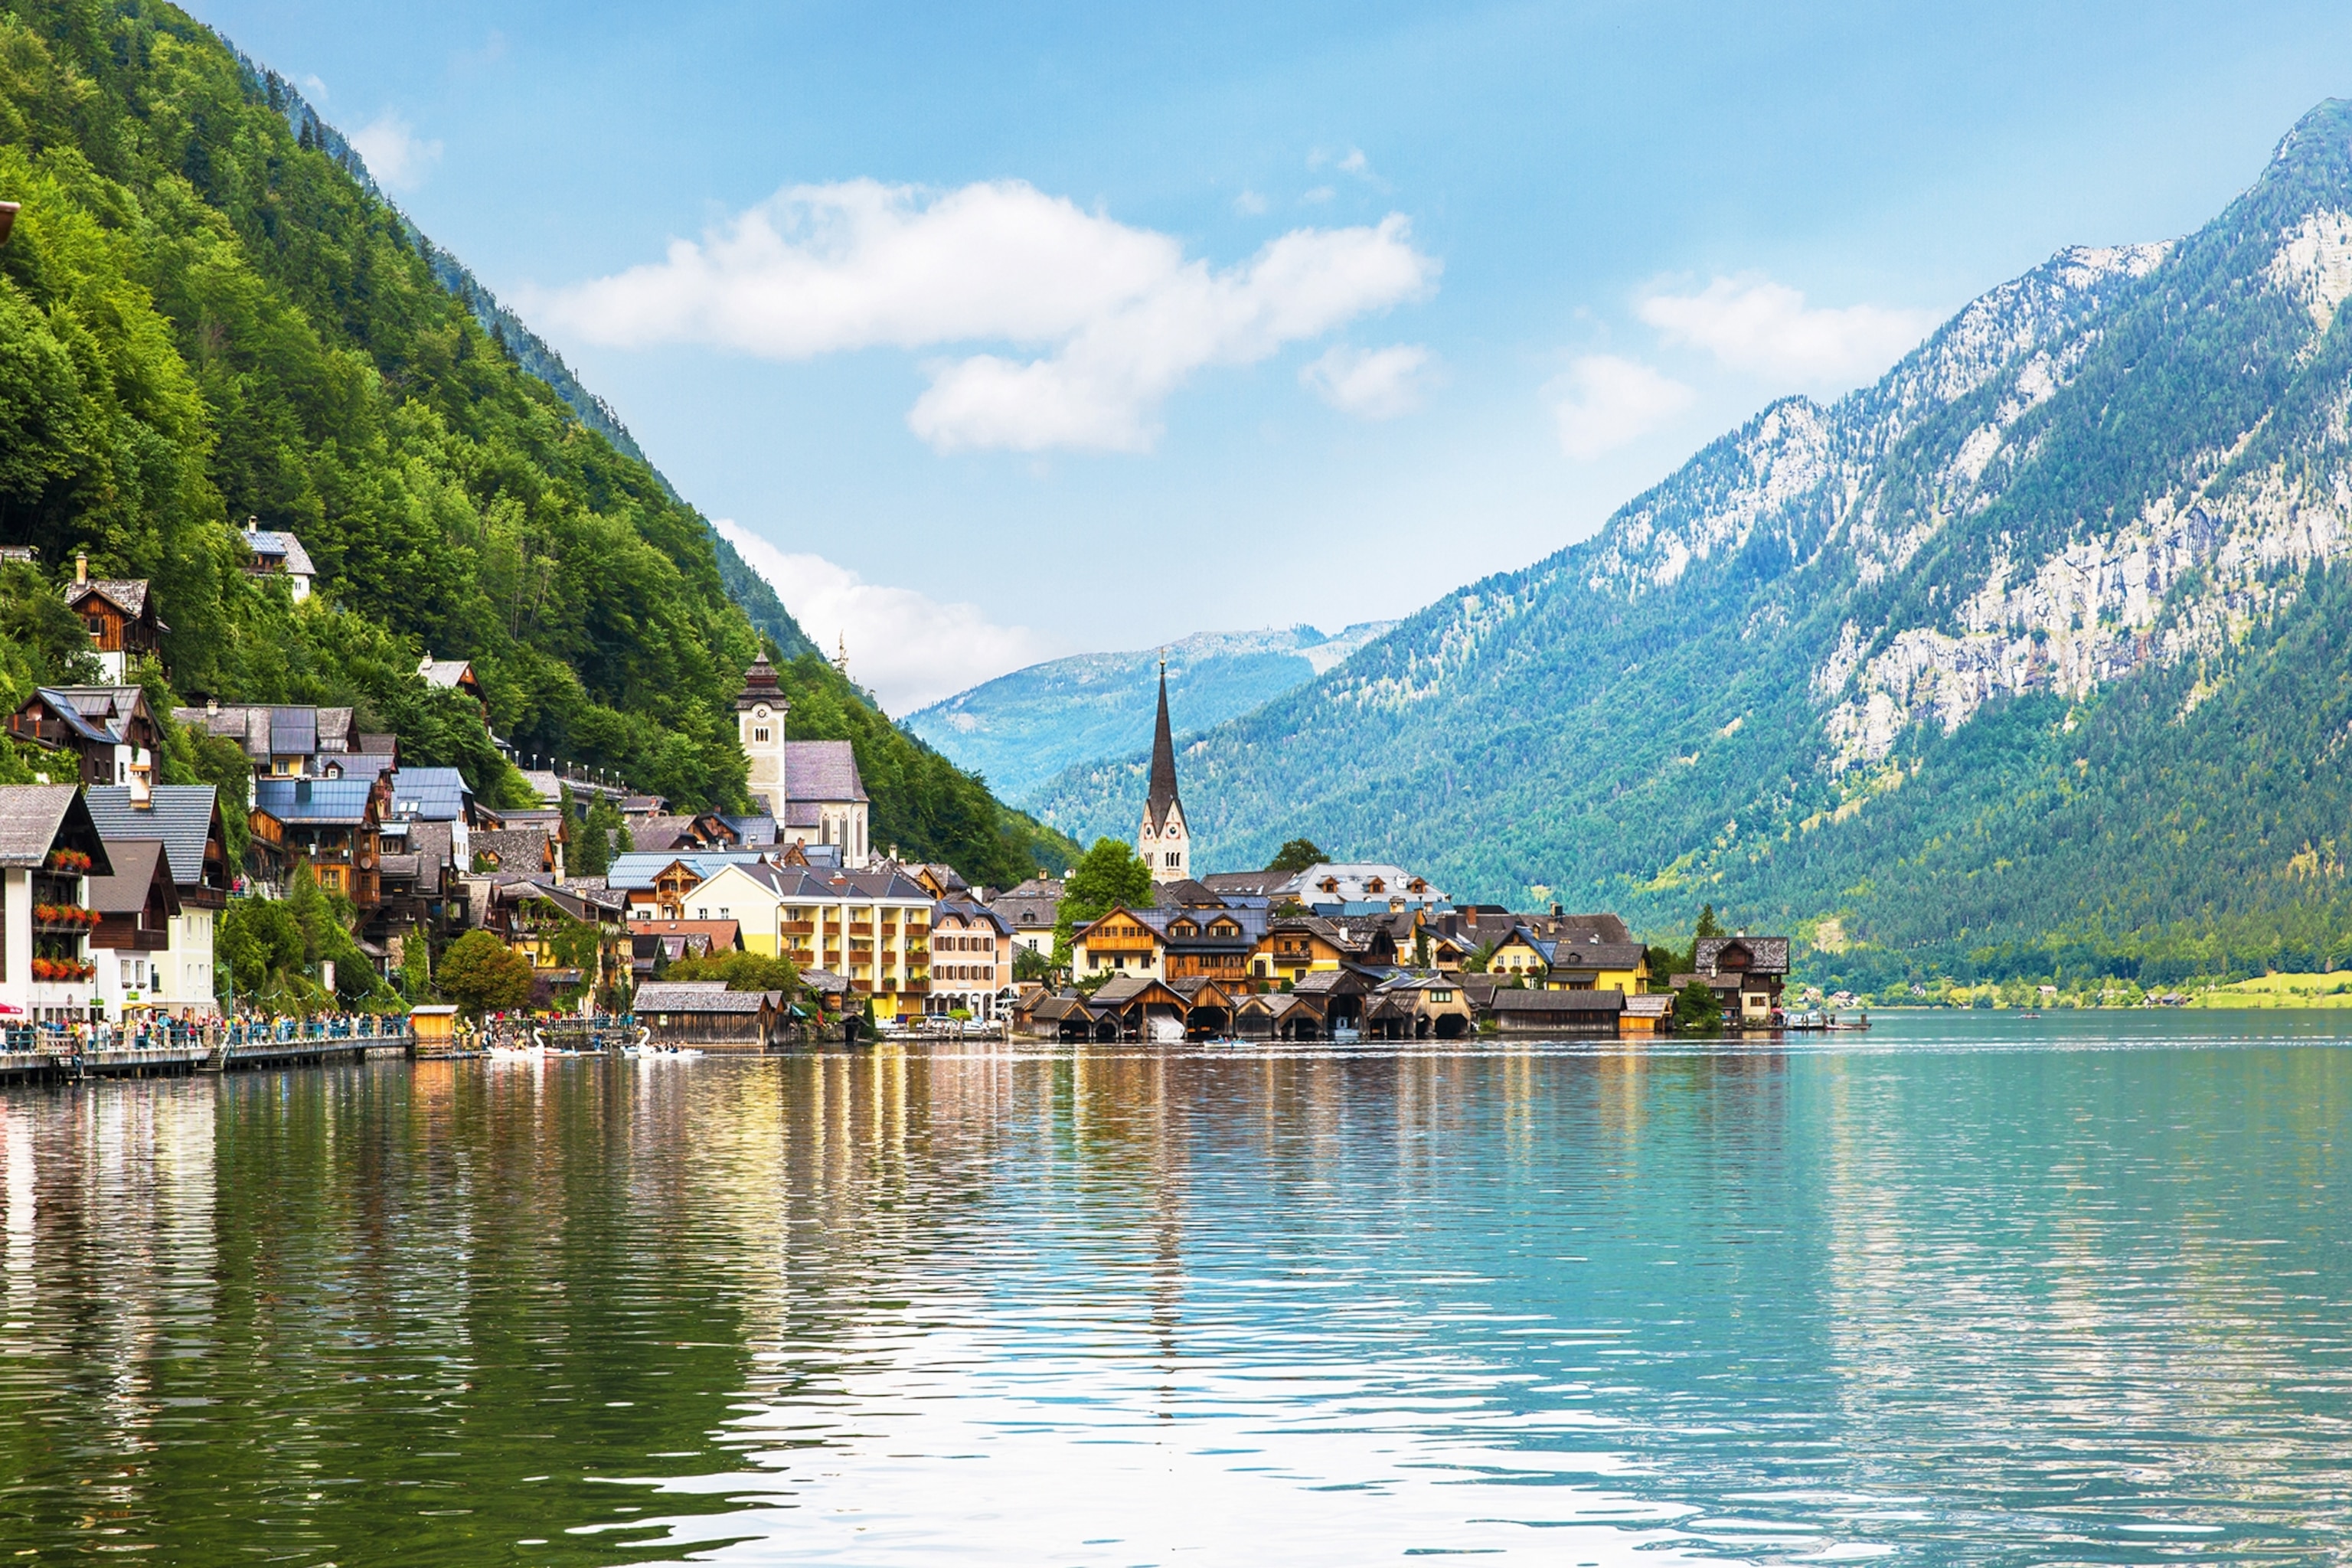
(760, 711)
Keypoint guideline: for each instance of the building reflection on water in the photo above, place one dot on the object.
(615, 1305)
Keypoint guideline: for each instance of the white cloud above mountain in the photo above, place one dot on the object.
(1755, 325)
(394, 153)
(906, 648)
(1371, 384)
(1602, 402)
(1106, 320)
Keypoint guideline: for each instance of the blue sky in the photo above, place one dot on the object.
(1019, 330)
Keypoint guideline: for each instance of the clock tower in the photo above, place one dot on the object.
(759, 709)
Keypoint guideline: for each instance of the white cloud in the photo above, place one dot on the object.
(318, 89)
(908, 648)
(1601, 403)
(1755, 324)
(1122, 316)
(1249, 203)
(1374, 383)
(389, 147)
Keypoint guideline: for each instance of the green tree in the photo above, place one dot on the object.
(483, 975)
(416, 967)
(1031, 965)
(589, 850)
(1296, 856)
(1707, 922)
(1698, 1010)
(259, 941)
(740, 971)
(1108, 875)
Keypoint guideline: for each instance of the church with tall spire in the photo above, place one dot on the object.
(1162, 841)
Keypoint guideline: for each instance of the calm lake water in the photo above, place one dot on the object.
(1969, 1289)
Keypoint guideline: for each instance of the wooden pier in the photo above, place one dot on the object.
(214, 1048)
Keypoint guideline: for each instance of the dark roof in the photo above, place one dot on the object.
(753, 832)
(1187, 894)
(824, 982)
(179, 814)
(664, 996)
(660, 832)
(821, 769)
(1554, 1003)
(1330, 983)
(1569, 953)
(127, 593)
(400, 868)
(434, 844)
(135, 861)
(96, 714)
(430, 794)
(759, 685)
(31, 818)
(973, 913)
(513, 848)
(1767, 954)
(1163, 760)
(330, 802)
(1128, 988)
(268, 542)
(1033, 902)
(1258, 884)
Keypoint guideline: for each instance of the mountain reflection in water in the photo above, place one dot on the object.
(1964, 1289)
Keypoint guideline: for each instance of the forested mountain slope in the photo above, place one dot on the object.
(1021, 729)
(2031, 654)
(206, 316)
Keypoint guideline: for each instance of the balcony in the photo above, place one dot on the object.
(46, 732)
(798, 927)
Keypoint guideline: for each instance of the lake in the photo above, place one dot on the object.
(1972, 1288)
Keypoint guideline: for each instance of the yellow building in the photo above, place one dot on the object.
(1518, 956)
(1120, 943)
(1581, 962)
(872, 928)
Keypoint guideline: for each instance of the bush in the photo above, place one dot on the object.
(1697, 1010)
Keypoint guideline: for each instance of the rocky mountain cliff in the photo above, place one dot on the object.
(1022, 729)
(2030, 648)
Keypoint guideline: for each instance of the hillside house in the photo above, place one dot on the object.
(119, 615)
(107, 730)
(278, 556)
(334, 826)
(1746, 973)
(49, 847)
(186, 819)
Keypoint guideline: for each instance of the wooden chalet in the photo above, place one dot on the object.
(1121, 943)
(119, 615)
(1214, 943)
(136, 906)
(1144, 1007)
(107, 730)
(1746, 973)
(334, 826)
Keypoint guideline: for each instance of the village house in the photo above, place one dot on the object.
(1586, 960)
(972, 959)
(549, 925)
(1295, 946)
(330, 824)
(137, 906)
(278, 556)
(119, 615)
(1032, 909)
(871, 927)
(290, 741)
(1198, 943)
(1746, 972)
(1518, 957)
(1120, 943)
(656, 945)
(49, 847)
(186, 820)
(107, 729)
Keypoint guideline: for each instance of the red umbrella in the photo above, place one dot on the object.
(8, 1011)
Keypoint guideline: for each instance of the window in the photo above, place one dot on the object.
(761, 734)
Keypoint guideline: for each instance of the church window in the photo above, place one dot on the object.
(761, 735)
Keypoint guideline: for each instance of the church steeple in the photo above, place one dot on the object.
(1162, 842)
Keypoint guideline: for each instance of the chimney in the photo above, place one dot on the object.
(81, 566)
(143, 793)
(1557, 911)
(212, 706)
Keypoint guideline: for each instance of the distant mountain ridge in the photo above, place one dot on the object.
(1022, 729)
(2030, 648)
